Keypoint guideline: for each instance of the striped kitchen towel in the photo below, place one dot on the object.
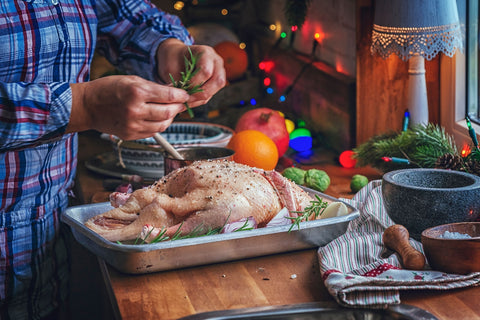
(359, 271)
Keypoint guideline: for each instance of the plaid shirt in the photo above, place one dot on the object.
(45, 45)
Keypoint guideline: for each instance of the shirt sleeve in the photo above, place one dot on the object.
(33, 113)
(129, 32)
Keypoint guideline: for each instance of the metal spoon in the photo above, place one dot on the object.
(167, 146)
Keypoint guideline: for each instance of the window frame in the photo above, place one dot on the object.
(454, 81)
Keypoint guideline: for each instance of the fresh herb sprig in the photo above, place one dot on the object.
(196, 232)
(187, 75)
(315, 209)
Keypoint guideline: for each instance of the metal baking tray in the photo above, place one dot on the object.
(168, 255)
(318, 311)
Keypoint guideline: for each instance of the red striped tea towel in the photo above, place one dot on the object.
(359, 271)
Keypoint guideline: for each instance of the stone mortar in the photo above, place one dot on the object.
(422, 198)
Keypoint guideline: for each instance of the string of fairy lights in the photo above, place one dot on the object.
(300, 137)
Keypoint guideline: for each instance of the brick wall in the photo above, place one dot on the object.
(324, 95)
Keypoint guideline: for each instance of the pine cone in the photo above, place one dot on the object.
(472, 166)
(449, 161)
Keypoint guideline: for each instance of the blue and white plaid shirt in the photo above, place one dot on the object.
(44, 46)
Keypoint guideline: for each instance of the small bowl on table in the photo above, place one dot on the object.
(453, 248)
(422, 198)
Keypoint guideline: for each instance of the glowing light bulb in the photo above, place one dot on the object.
(346, 159)
(290, 125)
(396, 160)
(179, 5)
(266, 65)
(466, 150)
(319, 37)
(224, 12)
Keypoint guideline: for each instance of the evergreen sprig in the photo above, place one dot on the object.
(421, 144)
(296, 12)
(474, 155)
(185, 82)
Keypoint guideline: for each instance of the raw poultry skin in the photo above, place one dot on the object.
(201, 197)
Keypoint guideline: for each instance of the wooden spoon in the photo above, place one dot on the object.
(167, 146)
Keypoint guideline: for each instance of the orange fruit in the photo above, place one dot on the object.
(235, 59)
(254, 148)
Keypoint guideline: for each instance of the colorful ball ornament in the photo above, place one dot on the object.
(301, 140)
(346, 159)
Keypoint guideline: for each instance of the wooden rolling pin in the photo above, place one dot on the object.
(396, 238)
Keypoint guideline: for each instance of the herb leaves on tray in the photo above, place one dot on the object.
(315, 209)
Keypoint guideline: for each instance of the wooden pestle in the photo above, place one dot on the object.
(396, 238)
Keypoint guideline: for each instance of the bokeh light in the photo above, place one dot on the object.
(346, 159)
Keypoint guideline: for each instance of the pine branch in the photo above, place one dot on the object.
(421, 144)
(296, 12)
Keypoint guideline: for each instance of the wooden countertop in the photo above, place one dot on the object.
(263, 281)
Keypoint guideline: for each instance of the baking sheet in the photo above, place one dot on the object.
(168, 255)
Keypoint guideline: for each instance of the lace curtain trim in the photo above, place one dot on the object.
(426, 41)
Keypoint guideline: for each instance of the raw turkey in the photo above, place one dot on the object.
(202, 196)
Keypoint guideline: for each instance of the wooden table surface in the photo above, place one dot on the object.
(264, 281)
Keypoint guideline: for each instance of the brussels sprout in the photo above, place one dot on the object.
(297, 175)
(358, 182)
(317, 179)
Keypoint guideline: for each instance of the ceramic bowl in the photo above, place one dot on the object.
(146, 158)
(192, 154)
(422, 198)
(446, 251)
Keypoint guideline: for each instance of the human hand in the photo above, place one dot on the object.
(211, 72)
(129, 107)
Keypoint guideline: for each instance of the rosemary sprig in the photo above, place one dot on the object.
(244, 227)
(316, 208)
(187, 75)
(159, 238)
(196, 232)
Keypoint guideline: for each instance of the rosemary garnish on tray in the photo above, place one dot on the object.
(315, 209)
(196, 232)
(187, 75)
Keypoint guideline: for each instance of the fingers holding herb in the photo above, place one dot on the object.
(141, 107)
(185, 81)
(211, 74)
(197, 69)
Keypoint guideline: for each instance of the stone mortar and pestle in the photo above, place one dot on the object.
(420, 199)
(423, 198)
